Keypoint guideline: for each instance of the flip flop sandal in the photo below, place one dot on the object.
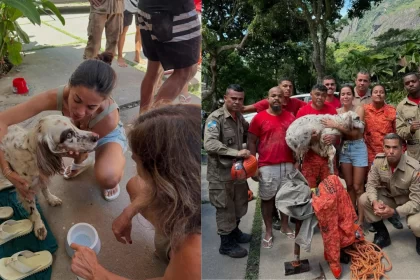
(6, 212)
(78, 167)
(23, 264)
(114, 196)
(185, 99)
(290, 235)
(269, 242)
(11, 229)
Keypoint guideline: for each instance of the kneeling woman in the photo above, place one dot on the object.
(167, 191)
(86, 99)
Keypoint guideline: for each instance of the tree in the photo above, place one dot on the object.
(322, 19)
(253, 40)
(226, 27)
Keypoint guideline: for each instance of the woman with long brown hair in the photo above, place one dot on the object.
(165, 143)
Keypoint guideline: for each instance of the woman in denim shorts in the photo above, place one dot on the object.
(353, 156)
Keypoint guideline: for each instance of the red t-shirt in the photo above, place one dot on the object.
(292, 106)
(271, 131)
(334, 103)
(415, 100)
(308, 110)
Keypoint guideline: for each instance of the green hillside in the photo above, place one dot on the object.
(397, 14)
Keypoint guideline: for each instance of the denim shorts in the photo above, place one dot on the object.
(272, 177)
(354, 152)
(117, 136)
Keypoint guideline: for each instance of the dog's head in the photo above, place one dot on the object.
(56, 135)
(352, 120)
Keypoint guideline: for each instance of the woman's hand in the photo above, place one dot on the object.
(329, 123)
(22, 187)
(122, 226)
(85, 263)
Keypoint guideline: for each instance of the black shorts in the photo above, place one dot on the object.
(174, 41)
(128, 18)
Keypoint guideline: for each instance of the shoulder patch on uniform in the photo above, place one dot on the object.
(211, 125)
(380, 155)
(413, 162)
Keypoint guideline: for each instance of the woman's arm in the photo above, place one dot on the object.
(21, 112)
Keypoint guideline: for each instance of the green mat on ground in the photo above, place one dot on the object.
(27, 242)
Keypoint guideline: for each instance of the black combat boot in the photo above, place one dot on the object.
(418, 245)
(239, 236)
(228, 246)
(381, 238)
(395, 222)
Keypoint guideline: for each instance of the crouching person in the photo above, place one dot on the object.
(393, 188)
(223, 137)
(275, 161)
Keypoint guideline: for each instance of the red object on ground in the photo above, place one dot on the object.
(244, 168)
(19, 86)
(336, 218)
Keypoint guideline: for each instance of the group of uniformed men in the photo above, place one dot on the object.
(393, 184)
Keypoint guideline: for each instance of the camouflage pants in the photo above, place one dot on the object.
(113, 28)
(413, 221)
(231, 202)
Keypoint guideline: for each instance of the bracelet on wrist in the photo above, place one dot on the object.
(6, 172)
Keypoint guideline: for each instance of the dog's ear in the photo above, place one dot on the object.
(48, 163)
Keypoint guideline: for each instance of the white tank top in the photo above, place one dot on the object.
(131, 6)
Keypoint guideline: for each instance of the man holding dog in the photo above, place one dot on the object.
(314, 167)
(275, 161)
(223, 140)
(393, 188)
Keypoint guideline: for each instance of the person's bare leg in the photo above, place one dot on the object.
(267, 211)
(137, 40)
(347, 171)
(121, 41)
(185, 96)
(359, 174)
(109, 175)
(285, 223)
(172, 87)
(148, 84)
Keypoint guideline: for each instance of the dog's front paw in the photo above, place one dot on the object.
(54, 201)
(40, 230)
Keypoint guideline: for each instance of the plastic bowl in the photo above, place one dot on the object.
(83, 234)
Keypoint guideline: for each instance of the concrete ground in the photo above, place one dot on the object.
(401, 252)
(53, 54)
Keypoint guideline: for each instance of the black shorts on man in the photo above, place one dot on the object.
(128, 18)
(171, 34)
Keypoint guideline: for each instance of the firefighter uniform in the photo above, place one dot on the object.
(399, 190)
(361, 100)
(407, 112)
(223, 138)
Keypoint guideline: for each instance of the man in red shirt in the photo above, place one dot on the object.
(291, 105)
(331, 99)
(314, 167)
(275, 160)
(331, 85)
